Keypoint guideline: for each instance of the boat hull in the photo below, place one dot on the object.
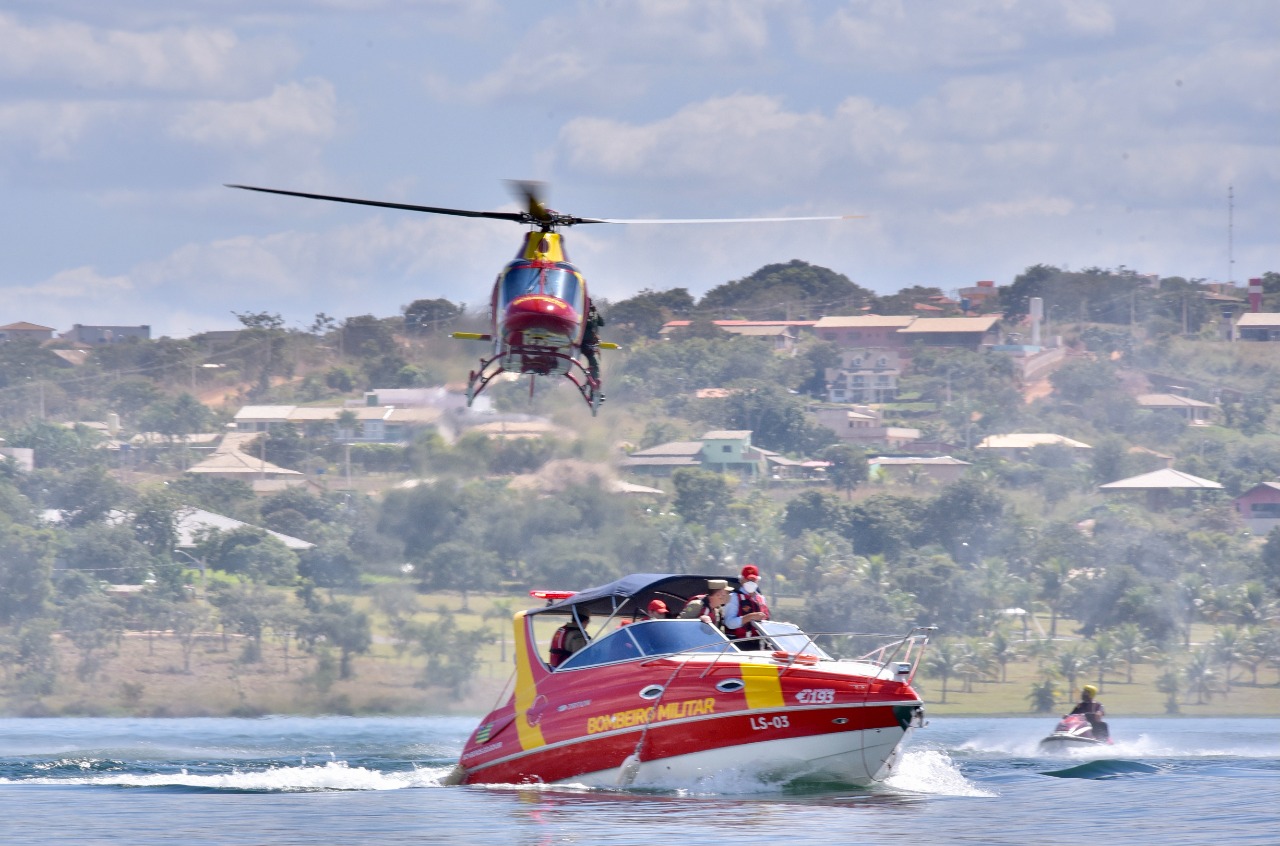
(854, 745)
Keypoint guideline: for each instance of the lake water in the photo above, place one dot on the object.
(288, 780)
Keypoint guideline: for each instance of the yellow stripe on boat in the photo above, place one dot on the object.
(526, 692)
(763, 686)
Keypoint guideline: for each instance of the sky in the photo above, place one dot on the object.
(976, 137)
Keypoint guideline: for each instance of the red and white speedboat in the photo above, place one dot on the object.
(661, 701)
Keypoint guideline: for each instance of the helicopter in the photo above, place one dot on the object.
(542, 321)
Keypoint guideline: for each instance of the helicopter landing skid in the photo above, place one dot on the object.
(538, 361)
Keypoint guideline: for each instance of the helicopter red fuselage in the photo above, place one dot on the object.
(538, 305)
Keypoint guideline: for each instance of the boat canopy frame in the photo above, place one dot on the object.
(632, 594)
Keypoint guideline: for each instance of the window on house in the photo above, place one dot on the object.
(726, 448)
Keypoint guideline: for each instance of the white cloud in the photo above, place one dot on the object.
(52, 130)
(194, 58)
(292, 110)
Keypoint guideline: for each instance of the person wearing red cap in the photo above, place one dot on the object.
(658, 610)
(746, 605)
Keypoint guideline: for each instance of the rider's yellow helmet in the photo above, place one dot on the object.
(1090, 690)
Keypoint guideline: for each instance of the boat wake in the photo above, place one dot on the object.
(1142, 746)
(933, 772)
(305, 778)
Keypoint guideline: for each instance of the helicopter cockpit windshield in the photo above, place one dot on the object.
(522, 279)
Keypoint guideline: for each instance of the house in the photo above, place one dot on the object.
(865, 374)
(726, 451)
(783, 334)
(969, 333)
(979, 297)
(372, 424)
(1018, 445)
(23, 331)
(1161, 485)
(191, 523)
(731, 451)
(868, 331)
(863, 426)
(1252, 326)
(1196, 412)
(245, 468)
(939, 469)
(1259, 507)
(97, 335)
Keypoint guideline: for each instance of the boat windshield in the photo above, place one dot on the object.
(556, 281)
(791, 638)
(647, 639)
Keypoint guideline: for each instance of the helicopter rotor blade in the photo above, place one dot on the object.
(717, 219)
(518, 217)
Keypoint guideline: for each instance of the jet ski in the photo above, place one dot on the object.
(1074, 731)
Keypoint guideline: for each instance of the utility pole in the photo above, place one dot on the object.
(1231, 259)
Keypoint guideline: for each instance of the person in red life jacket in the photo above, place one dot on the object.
(658, 610)
(710, 606)
(1093, 712)
(569, 638)
(746, 605)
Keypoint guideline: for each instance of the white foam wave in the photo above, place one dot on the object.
(334, 775)
(1136, 747)
(932, 771)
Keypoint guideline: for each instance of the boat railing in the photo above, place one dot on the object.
(902, 650)
(908, 649)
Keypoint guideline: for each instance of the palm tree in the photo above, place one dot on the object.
(1043, 695)
(1003, 651)
(1132, 644)
(1104, 655)
(944, 661)
(500, 610)
(1072, 661)
(1042, 649)
(1055, 578)
(1226, 647)
(1167, 684)
(1201, 673)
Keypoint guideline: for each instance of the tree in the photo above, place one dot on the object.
(1072, 661)
(648, 311)
(451, 654)
(848, 467)
(1132, 646)
(26, 564)
(1043, 695)
(339, 624)
(247, 609)
(426, 316)
(701, 495)
(249, 552)
(812, 511)
(791, 291)
(943, 661)
(92, 622)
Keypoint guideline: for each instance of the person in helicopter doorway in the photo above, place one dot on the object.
(1093, 712)
(709, 606)
(591, 340)
(569, 638)
(746, 605)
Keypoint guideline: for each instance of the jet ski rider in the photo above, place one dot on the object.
(1093, 712)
